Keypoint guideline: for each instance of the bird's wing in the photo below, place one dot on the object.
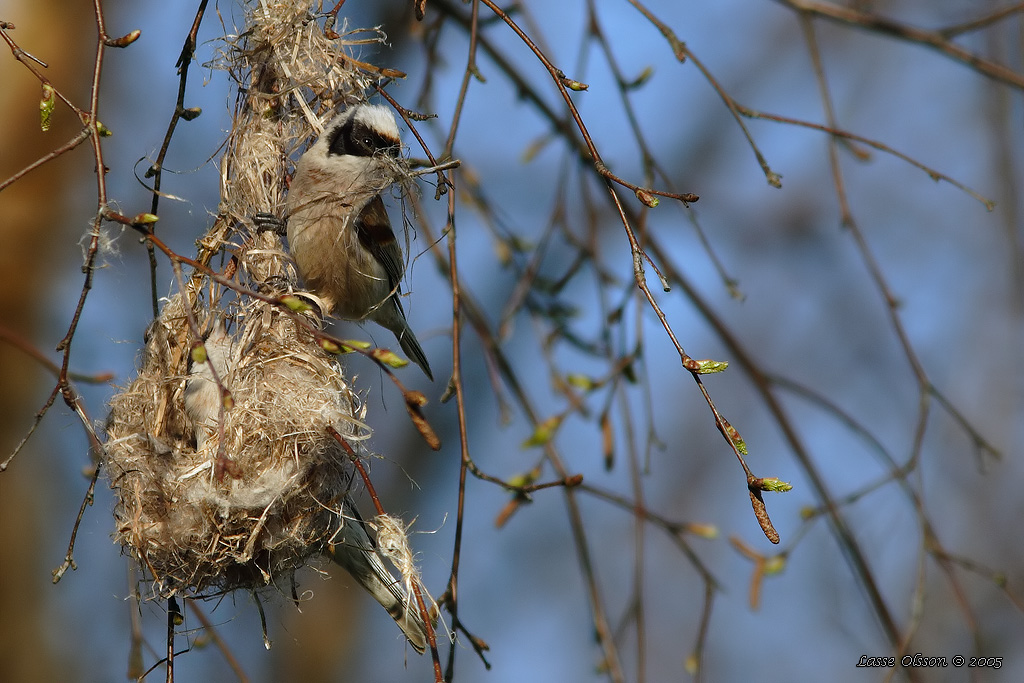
(375, 234)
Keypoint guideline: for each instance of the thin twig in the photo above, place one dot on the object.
(937, 40)
(223, 647)
(156, 170)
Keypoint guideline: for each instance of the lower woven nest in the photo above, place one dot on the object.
(263, 492)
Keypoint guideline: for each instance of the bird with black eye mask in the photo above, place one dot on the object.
(338, 229)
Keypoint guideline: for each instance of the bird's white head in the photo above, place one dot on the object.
(362, 130)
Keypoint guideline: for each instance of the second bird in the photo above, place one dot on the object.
(338, 229)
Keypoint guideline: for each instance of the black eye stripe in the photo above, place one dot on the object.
(357, 139)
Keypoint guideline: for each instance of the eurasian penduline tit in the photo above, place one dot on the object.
(352, 548)
(338, 229)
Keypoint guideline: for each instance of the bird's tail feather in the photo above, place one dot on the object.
(411, 347)
(358, 555)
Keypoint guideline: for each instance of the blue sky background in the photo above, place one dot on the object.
(810, 313)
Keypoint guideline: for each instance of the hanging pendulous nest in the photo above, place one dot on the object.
(242, 497)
